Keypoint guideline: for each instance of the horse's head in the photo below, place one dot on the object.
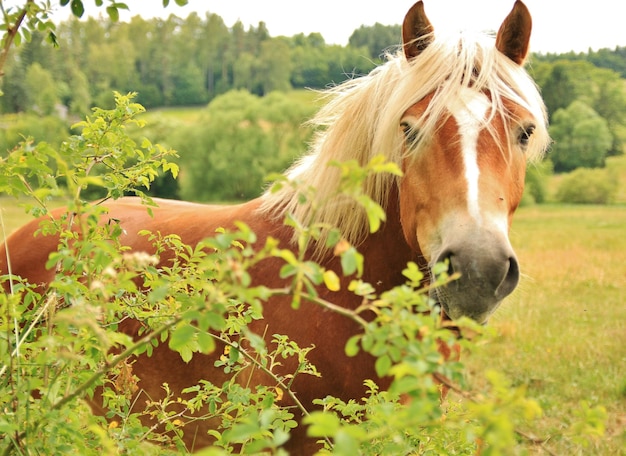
(465, 158)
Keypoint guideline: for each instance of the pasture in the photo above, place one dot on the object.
(562, 333)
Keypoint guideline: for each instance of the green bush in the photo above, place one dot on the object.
(17, 127)
(536, 183)
(588, 186)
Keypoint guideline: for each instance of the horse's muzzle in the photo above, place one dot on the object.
(487, 273)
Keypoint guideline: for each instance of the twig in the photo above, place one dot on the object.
(11, 32)
(81, 390)
(466, 395)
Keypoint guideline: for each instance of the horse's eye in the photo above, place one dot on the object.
(525, 134)
(411, 134)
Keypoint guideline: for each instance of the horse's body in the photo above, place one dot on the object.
(459, 119)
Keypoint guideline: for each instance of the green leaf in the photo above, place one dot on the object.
(181, 340)
(113, 13)
(206, 343)
(27, 35)
(322, 424)
(351, 262)
(352, 346)
(383, 364)
(375, 213)
(413, 273)
(334, 236)
(78, 9)
(181, 2)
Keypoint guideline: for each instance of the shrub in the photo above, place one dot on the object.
(581, 138)
(588, 186)
(16, 127)
(536, 182)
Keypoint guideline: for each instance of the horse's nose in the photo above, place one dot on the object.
(511, 279)
(487, 274)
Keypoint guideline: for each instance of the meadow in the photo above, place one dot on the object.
(562, 334)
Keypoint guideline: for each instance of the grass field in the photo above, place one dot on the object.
(563, 332)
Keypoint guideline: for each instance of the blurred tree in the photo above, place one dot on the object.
(41, 90)
(603, 90)
(377, 38)
(581, 138)
(243, 139)
(274, 66)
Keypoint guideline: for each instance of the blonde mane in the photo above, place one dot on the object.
(362, 120)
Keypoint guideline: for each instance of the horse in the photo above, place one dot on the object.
(460, 117)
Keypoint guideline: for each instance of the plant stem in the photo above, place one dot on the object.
(10, 36)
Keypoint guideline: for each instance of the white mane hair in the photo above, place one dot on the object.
(362, 120)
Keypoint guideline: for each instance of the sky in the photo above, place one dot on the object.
(558, 25)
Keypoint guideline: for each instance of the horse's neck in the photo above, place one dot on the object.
(386, 252)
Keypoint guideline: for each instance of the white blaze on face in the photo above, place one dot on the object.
(469, 111)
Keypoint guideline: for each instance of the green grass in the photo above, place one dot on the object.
(185, 115)
(12, 216)
(563, 332)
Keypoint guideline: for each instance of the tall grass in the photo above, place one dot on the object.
(563, 332)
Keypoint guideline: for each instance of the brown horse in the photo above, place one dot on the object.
(459, 117)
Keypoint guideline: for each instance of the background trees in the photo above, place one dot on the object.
(582, 138)
(194, 61)
(175, 61)
(222, 160)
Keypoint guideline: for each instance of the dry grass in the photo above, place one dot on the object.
(563, 332)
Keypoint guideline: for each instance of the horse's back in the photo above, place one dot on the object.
(26, 251)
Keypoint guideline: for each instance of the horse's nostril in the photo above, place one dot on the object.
(510, 281)
(447, 257)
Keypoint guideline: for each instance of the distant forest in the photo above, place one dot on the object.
(183, 62)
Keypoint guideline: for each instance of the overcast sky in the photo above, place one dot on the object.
(558, 25)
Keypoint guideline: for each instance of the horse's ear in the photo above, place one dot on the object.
(514, 34)
(416, 31)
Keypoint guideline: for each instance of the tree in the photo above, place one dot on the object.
(243, 139)
(41, 89)
(564, 84)
(189, 86)
(274, 66)
(581, 138)
(377, 38)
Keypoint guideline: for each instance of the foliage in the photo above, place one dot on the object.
(378, 39)
(536, 181)
(588, 186)
(565, 81)
(581, 138)
(243, 139)
(176, 61)
(17, 127)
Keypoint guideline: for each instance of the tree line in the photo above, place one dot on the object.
(199, 61)
(172, 62)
